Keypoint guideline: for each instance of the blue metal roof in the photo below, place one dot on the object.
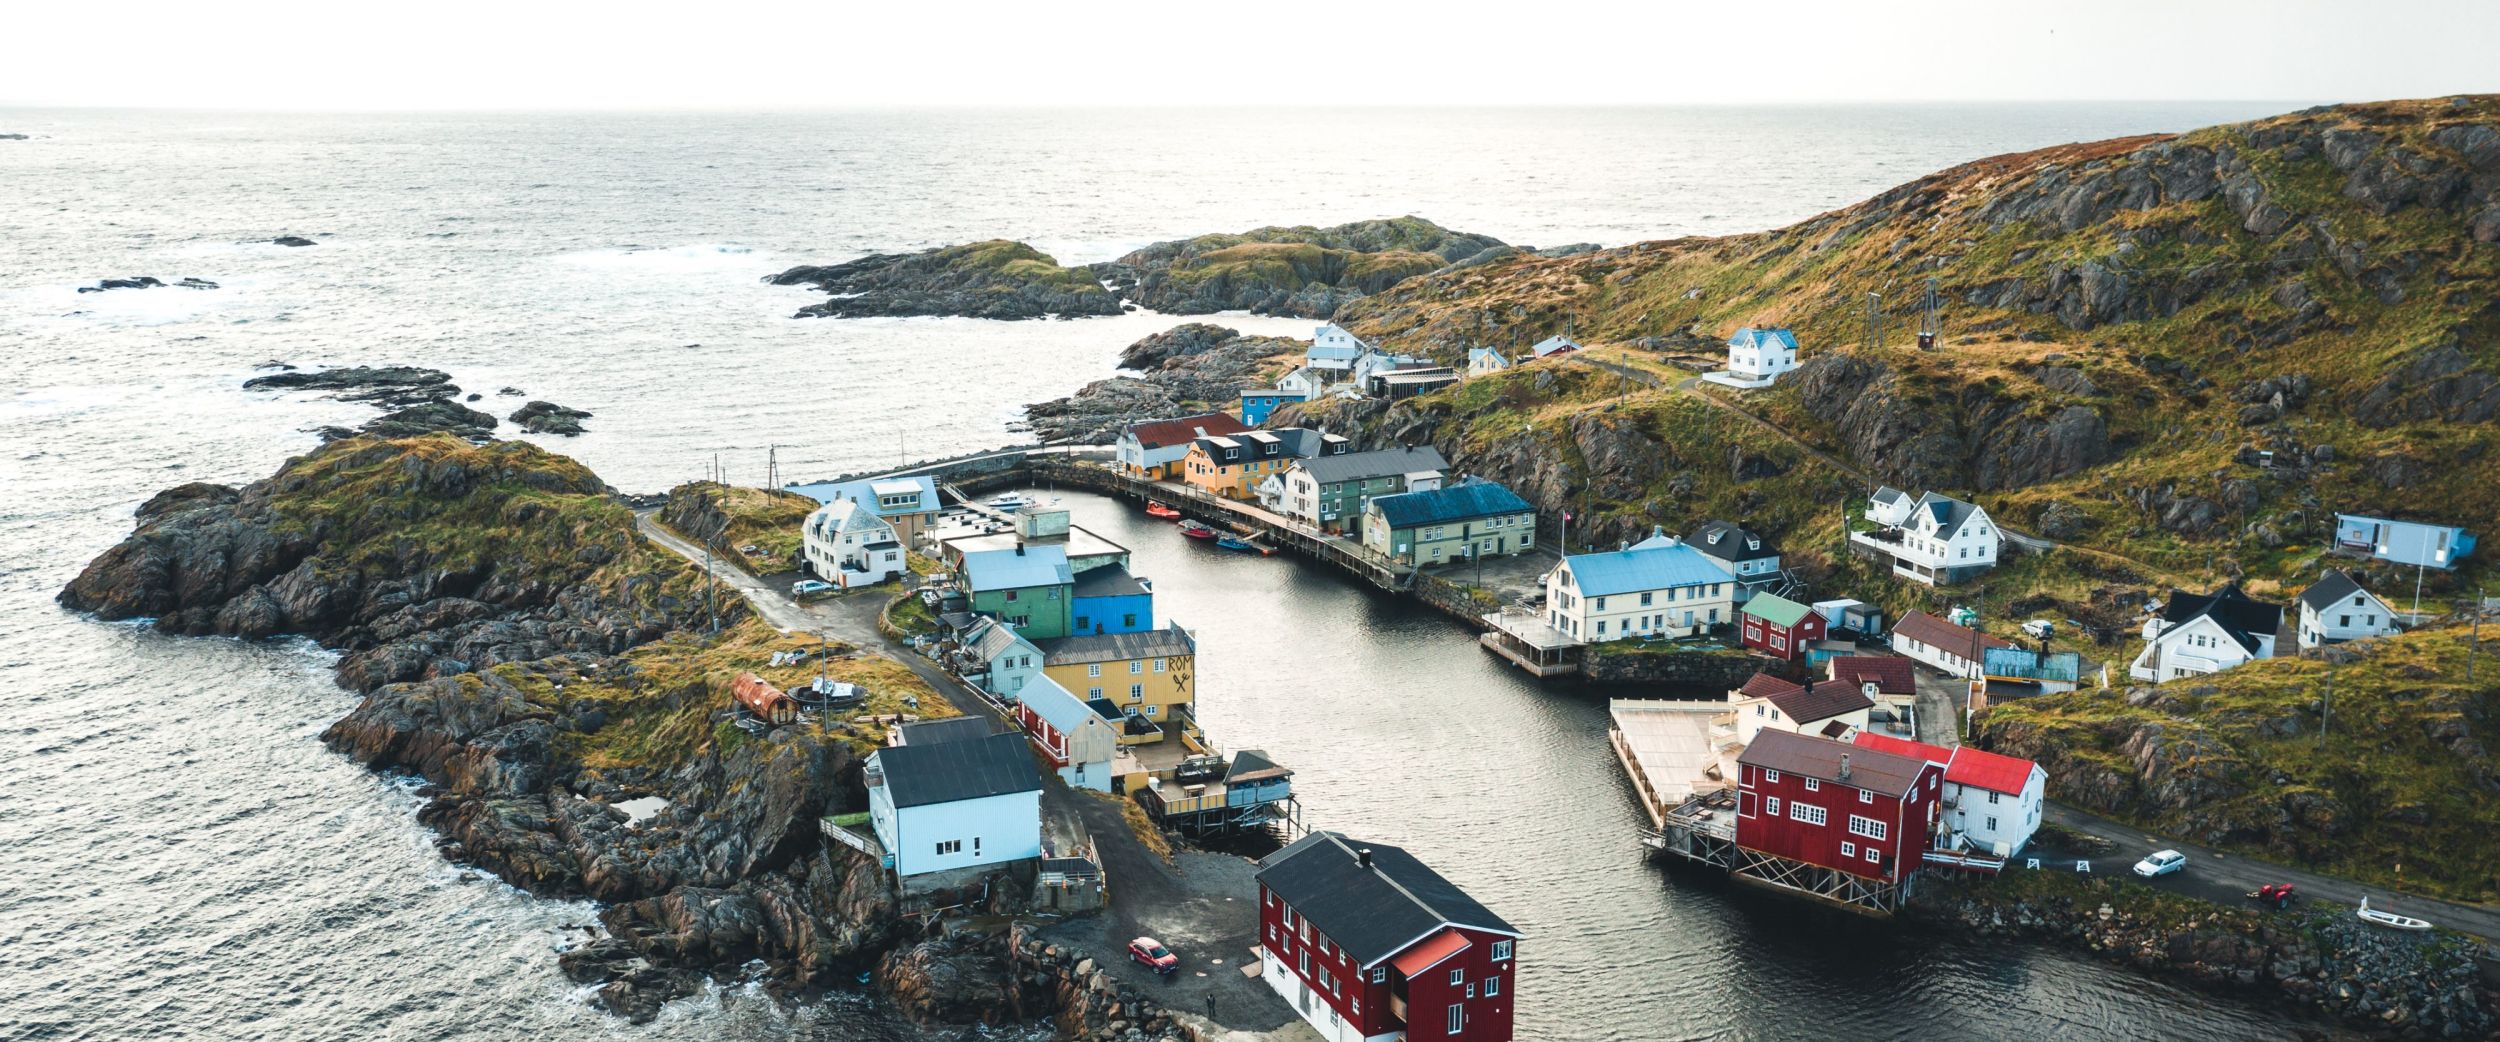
(1459, 502)
(1774, 337)
(986, 570)
(1649, 568)
(865, 491)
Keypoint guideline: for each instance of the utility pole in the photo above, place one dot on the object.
(1929, 330)
(1874, 320)
(2474, 638)
(710, 616)
(2326, 704)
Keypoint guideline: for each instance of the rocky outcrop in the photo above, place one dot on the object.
(1303, 272)
(146, 282)
(437, 417)
(549, 418)
(1950, 437)
(397, 386)
(292, 240)
(995, 279)
(2321, 960)
(1190, 368)
(2435, 383)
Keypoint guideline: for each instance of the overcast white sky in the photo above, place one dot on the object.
(522, 54)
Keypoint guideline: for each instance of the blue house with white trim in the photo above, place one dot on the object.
(909, 504)
(1258, 402)
(2402, 542)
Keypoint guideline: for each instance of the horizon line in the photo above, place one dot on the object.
(38, 106)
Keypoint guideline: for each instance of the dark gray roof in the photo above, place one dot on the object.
(1820, 758)
(2330, 590)
(1110, 580)
(1106, 647)
(1376, 912)
(1463, 501)
(1948, 511)
(1378, 463)
(2244, 619)
(1251, 765)
(939, 732)
(1729, 541)
(948, 772)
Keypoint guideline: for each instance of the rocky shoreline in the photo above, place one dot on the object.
(1188, 368)
(2320, 960)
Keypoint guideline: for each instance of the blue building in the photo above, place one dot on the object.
(1110, 600)
(910, 504)
(1257, 402)
(2402, 542)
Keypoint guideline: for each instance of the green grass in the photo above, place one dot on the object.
(768, 519)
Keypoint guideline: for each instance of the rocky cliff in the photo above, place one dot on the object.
(1195, 367)
(993, 279)
(1302, 272)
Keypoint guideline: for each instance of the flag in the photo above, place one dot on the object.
(1566, 515)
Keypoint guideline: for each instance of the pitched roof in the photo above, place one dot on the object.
(1769, 336)
(1156, 434)
(848, 517)
(1373, 912)
(2330, 590)
(1891, 774)
(939, 732)
(1823, 701)
(1729, 541)
(2241, 618)
(1430, 953)
(1937, 633)
(1054, 703)
(948, 772)
(1892, 674)
(1889, 494)
(991, 638)
(1251, 765)
(1764, 685)
(1167, 642)
(866, 490)
(1016, 569)
(1463, 501)
(1995, 772)
(1775, 609)
(1281, 443)
(1487, 354)
(1643, 568)
(1378, 463)
(1108, 580)
(1904, 747)
(1948, 511)
(1552, 344)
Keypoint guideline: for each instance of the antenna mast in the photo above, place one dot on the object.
(1929, 328)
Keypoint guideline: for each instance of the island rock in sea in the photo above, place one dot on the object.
(993, 279)
(549, 418)
(1301, 272)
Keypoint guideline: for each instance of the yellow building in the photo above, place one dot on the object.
(1232, 466)
(1150, 679)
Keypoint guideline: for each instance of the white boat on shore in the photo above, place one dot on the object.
(2391, 919)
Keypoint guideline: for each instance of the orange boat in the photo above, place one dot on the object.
(1154, 509)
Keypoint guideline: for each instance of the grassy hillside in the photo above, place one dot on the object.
(2395, 787)
(727, 517)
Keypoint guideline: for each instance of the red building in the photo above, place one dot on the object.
(1855, 809)
(1779, 627)
(1369, 945)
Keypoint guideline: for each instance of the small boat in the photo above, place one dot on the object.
(1156, 509)
(1009, 503)
(1234, 543)
(2391, 919)
(1194, 530)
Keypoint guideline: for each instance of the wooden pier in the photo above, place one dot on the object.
(1703, 829)
(1262, 525)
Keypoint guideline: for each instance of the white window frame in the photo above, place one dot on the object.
(1808, 813)
(1870, 828)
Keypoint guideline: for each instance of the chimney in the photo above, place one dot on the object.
(1019, 547)
(1363, 857)
(1844, 767)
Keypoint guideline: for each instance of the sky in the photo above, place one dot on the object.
(525, 54)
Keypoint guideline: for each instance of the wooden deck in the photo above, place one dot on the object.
(1261, 525)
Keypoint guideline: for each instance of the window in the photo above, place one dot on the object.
(1457, 977)
(1159, 665)
(1092, 693)
(1458, 1017)
(1645, 600)
(1011, 594)
(1770, 776)
(1128, 619)
(1992, 824)
(1808, 813)
(1380, 975)
(1848, 849)
(1992, 797)
(1771, 806)
(1814, 785)
(1601, 604)
(1093, 669)
(1873, 854)
(1303, 959)
(1865, 796)
(1867, 827)
(1492, 986)
(1501, 952)
(952, 846)
(1471, 991)
(1601, 627)
(1136, 692)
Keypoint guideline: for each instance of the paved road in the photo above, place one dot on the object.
(2227, 878)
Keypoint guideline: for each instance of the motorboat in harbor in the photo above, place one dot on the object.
(1006, 504)
(1194, 530)
(1155, 508)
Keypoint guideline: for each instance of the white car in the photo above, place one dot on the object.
(2160, 863)
(805, 587)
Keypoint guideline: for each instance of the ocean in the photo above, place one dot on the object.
(187, 861)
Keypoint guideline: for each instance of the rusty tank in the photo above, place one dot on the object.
(771, 704)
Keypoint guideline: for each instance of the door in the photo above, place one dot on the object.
(1306, 998)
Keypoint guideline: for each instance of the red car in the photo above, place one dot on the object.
(1154, 955)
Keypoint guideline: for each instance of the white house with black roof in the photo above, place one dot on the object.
(1743, 553)
(2336, 609)
(2194, 635)
(953, 803)
(1935, 539)
(1368, 945)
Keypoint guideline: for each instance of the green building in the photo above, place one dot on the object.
(1473, 518)
(1028, 586)
(1330, 491)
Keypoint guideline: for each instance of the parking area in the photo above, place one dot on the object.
(1510, 578)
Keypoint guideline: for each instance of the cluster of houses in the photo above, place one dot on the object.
(1340, 364)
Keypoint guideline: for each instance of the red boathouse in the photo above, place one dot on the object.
(1369, 945)
(1850, 808)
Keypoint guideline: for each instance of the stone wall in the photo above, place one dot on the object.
(1710, 671)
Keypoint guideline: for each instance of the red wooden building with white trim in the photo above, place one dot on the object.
(1853, 809)
(1369, 945)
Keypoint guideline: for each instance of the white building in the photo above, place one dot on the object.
(2336, 609)
(1074, 737)
(1955, 651)
(1375, 363)
(1743, 553)
(1766, 702)
(1005, 660)
(1305, 381)
(1657, 587)
(2194, 636)
(1935, 539)
(1482, 361)
(847, 544)
(1333, 350)
(1761, 354)
(955, 805)
(1991, 800)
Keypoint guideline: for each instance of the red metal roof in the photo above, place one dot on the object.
(1429, 952)
(1995, 772)
(1905, 747)
(1155, 434)
(1891, 673)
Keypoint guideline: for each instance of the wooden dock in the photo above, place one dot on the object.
(1263, 526)
(1703, 829)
